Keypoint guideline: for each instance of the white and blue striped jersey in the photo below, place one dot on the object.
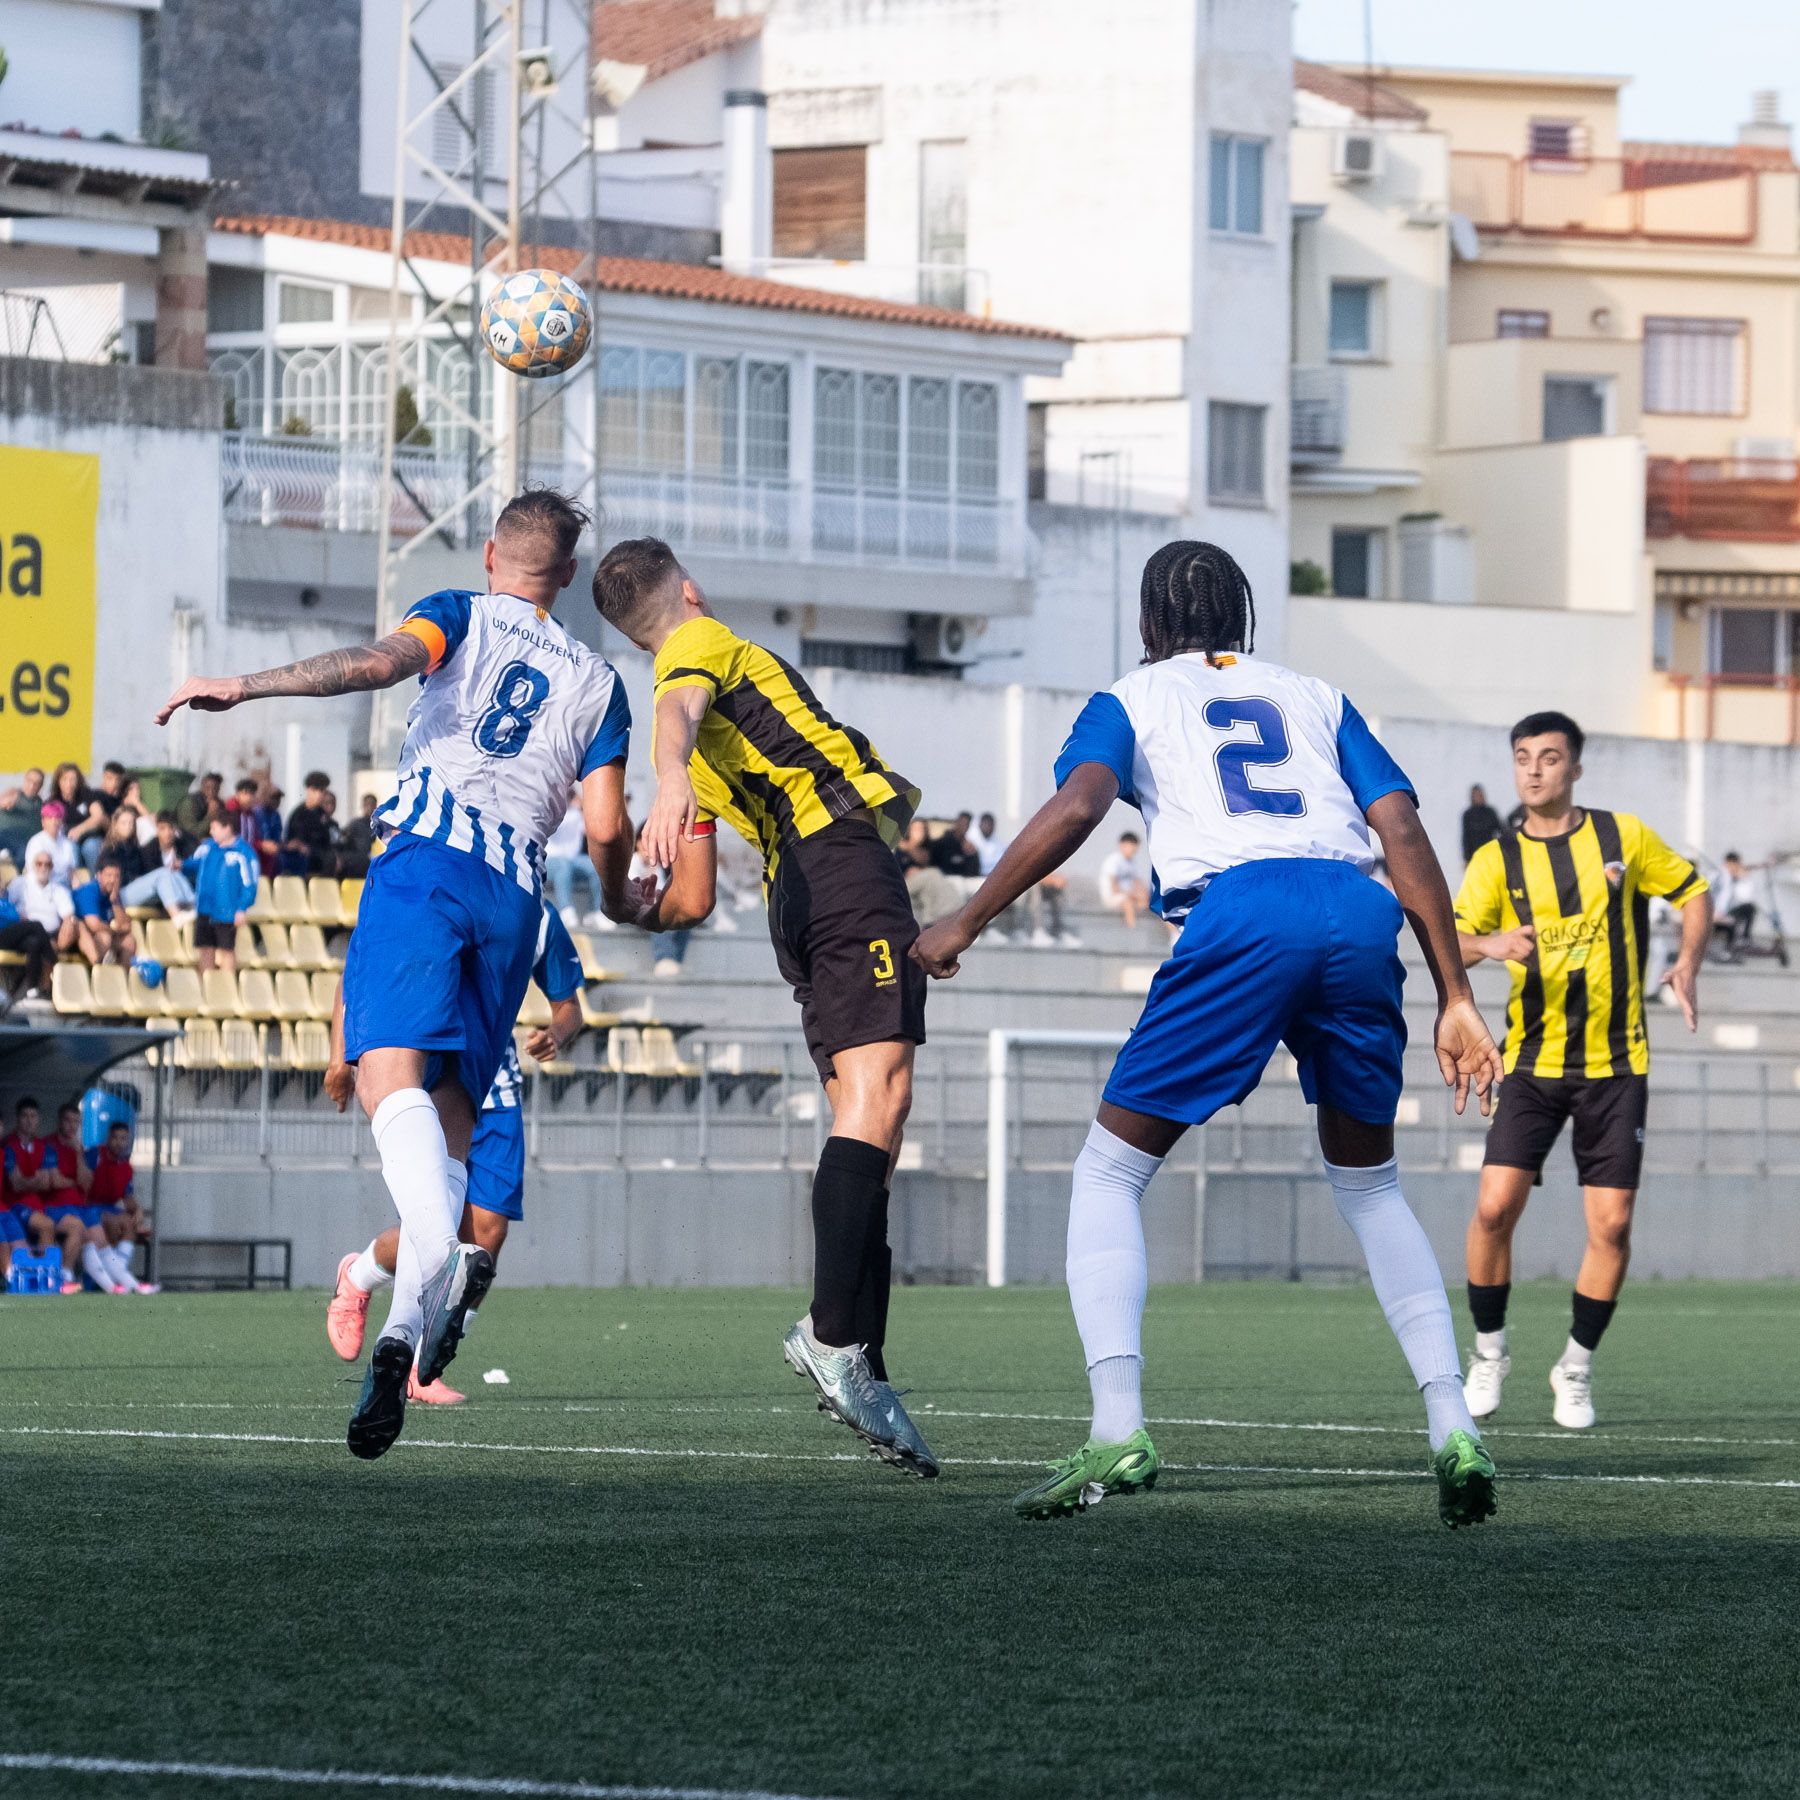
(1234, 762)
(511, 713)
(558, 972)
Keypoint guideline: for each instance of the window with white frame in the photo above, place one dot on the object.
(301, 303)
(1236, 437)
(708, 413)
(1694, 365)
(1235, 201)
(1554, 141)
(944, 223)
(1355, 323)
(1521, 322)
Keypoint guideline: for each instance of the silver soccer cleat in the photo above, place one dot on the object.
(910, 1451)
(847, 1391)
(462, 1283)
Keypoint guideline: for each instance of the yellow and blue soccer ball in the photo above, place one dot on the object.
(537, 323)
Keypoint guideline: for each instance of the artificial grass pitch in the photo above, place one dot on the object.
(642, 1564)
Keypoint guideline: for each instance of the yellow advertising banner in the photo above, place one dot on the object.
(49, 512)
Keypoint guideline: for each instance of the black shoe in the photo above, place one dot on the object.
(381, 1409)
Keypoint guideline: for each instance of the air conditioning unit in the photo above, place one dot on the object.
(1437, 563)
(1356, 155)
(946, 638)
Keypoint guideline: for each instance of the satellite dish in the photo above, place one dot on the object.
(1463, 238)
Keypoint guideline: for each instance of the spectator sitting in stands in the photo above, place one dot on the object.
(123, 1223)
(20, 813)
(952, 852)
(27, 1162)
(566, 862)
(31, 941)
(44, 900)
(106, 799)
(194, 807)
(243, 803)
(1044, 904)
(102, 926)
(84, 816)
(224, 876)
(52, 839)
(145, 819)
(268, 820)
(1736, 903)
(1122, 888)
(308, 846)
(158, 869)
(934, 894)
(358, 848)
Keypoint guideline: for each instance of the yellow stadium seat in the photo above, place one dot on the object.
(350, 893)
(198, 1045)
(240, 1044)
(78, 877)
(244, 949)
(110, 991)
(624, 1051)
(256, 994)
(291, 905)
(325, 903)
(310, 1047)
(591, 1015)
(11, 959)
(262, 908)
(275, 951)
(70, 991)
(165, 943)
(307, 948)
(592, 968)
(324, 994)
(141, 1000)
(534, 1010)
(182, 995)
(660, 1055)
(219, 995)
(293, 996)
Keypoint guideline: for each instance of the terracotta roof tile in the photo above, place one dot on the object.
(633, 275)
(1704, 156)
(1368, 100)
(664, 35)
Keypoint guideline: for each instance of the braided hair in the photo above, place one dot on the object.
(1195, 597)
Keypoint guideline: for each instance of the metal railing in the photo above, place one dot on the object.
(1316, 427)
(320, 484)
(1753, 500)
(1605, 196)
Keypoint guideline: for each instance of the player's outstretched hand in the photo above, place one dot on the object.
(204, 693)
(1467, 1054)
(340, 1084)
(938, 948)
(1518, 945)
(1680, 981)
(672, 815)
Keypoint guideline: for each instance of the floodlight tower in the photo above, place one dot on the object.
(500, 135)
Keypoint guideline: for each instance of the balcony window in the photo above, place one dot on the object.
(1235, 452)
(1553, 141)
(1576, 406)
(234, 299)
(944, 224)
(1354, 306)
(1358, 563)
(1748, 642)
(1235, 199)
(302, 304)
(1520, 322)
(1694, 366)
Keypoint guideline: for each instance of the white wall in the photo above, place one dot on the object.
(73, 65)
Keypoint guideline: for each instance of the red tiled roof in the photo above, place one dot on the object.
(662, 36)
(1704, 156)
(633, 275)
(1368, 100)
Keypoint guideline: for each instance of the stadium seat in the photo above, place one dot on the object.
(109, 991)
(262, 908)
(660, 1055)
(592, 1016)
(141, 1000)
(293, 995)
(291, 904)
(534, 1010)
(165, 944)
(11, 959)
(245, 950)
(70, 991)
(256, 994)
(324, 987)
(219, 995)
(624, 1050)
(350, 893)
(240, 1045)
(592, 968)
(198, 1045)
(307, 948)
(310, 1046)
(326, 902)
(78, 877)
(181, 992)
(276, 953)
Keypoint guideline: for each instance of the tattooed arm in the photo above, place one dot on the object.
(350, 671)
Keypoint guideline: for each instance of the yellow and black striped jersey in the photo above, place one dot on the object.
(769, 759)
(1577, 1008)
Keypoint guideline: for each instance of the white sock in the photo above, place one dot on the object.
(1491, 1344)
(1576, 1356)
(1108, 1273)
(94, 1264)
(415, 1164)
(116, 1260)
(366, 1273)
(1410, 1288)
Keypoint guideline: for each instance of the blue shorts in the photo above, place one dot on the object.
(88, 1215)
(1301, 952)
(439, 961)
(12, 1224)
(497, 1162)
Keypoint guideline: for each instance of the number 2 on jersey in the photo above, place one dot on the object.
(518, 695)
(1235, 760)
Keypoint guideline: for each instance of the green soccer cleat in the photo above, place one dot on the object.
(1465, 1478)
(1086, 1478)
(461, 1284)
(909, 1451)
(381, 1407)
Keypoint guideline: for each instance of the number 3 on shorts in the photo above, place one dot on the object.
(883, 953)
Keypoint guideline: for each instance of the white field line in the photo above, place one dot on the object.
(691, 1454)
(369, 1778)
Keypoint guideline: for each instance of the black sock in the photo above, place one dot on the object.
(848, 1192)
(1591, 1319)
(1487, 1305)
(873, 1290)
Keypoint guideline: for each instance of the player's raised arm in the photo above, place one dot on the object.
(607, 827)
(1466, 1051)
(356, 669)
(679, 712)
(693, 888)
(1051, 836)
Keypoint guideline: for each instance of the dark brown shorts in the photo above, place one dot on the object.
(214, 934)
(1607, 1113)
(842, 924)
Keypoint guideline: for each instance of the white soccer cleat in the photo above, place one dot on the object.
(1481, 1386)
(1574, 1391)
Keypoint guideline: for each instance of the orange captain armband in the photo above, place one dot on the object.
(704, 828)
(429, 635)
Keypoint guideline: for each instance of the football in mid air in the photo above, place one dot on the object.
(537, 323)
